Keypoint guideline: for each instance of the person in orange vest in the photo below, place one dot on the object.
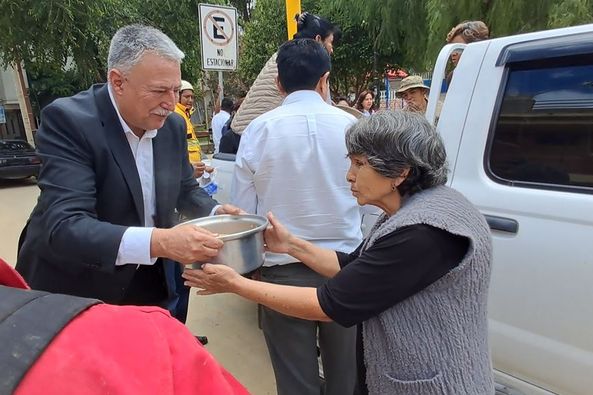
(62, 344)
(185, 107)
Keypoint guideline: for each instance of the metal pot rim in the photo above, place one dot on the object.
(234, 236)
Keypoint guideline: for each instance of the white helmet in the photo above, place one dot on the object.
(186, 85)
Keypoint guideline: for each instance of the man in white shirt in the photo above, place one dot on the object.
(218, 121)
(292, 161)
(115, 169)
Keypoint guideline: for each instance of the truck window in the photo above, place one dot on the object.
(543, 136)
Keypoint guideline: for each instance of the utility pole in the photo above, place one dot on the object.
(24, 103)
(220, 88)
(376, 77)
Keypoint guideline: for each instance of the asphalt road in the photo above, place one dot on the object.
(229, 321)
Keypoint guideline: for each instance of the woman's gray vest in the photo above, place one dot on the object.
(436, 341)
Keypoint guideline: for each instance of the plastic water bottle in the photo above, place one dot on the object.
(209, 185)
(211, 188)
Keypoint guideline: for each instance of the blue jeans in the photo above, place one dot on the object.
(178, 293)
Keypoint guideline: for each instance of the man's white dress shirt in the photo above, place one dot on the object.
(292, 161)
(218, 122)
(134, 247)
(135, 243)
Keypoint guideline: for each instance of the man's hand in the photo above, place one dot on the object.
(277, 237)
(212, 279)
(199, 168)
(229, 209)
(185, 244)
(412, 107)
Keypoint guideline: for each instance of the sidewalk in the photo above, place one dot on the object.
(234, 338)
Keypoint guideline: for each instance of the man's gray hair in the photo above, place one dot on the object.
(131, 42)
(393, 141)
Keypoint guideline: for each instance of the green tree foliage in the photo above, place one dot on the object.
(264, 33)
(417, 28)
(63, 43)
(395, 28)
(570, 12)
(56, 35)
(244, 8)
(352, 61)
(178, 19)
(353, 58)
(355, 62)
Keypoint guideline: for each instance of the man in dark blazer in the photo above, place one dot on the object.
(115, 170)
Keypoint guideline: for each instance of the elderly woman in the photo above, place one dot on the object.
(416, 287)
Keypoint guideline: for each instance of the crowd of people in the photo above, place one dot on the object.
(401, 311)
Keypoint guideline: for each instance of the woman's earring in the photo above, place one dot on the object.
(393, 187)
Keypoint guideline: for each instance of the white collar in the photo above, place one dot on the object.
(304, 95)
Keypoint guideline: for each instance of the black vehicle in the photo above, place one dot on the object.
(18, 159)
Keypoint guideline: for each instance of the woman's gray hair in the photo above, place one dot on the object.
(131, 42)
(393, 141)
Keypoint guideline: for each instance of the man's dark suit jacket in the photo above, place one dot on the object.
(91, 192)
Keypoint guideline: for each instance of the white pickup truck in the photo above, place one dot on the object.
(517, 123)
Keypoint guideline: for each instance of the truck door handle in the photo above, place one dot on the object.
(502, 224)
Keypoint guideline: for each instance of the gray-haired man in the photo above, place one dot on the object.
(115, 168)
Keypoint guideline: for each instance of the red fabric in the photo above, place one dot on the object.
(124, 350)
(10, 277)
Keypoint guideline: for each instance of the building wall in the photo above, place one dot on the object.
(13, 128)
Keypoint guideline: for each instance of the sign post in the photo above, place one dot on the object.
(218, 39)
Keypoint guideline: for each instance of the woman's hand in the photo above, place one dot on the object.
(277, 237)
(212, 279)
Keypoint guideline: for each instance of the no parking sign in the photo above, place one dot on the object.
(218, 37)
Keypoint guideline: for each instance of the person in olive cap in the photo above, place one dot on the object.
(414, 93)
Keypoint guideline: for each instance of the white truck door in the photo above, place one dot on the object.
(454, 109)
(526, 161)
